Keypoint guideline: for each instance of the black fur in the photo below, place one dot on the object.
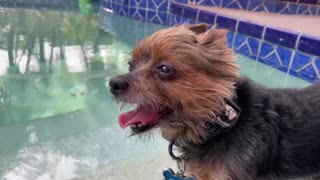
(276, 137)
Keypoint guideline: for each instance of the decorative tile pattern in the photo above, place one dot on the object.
(262, 6)
(158, 5)
(246, 46)
(155, 11)
(235, 4)
(286, 8)
(305, 66)
(275, 56)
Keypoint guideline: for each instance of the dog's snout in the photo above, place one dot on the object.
(118, 85)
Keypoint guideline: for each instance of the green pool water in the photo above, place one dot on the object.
(57, 119)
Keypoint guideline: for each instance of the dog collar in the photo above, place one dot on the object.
(223, 123)
(226, 120)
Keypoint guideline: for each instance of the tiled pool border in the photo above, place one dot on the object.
(288, 51)
(275, 6)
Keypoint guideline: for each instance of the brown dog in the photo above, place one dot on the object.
(185, 80)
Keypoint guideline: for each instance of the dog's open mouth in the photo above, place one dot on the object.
(141, 119)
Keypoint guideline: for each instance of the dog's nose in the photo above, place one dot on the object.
(118, 85)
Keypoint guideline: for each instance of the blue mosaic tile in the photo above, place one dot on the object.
(275, 56)
(190, 13)
(229, 37)
(132, 11)
(176, 9)
(124, 10)
(116, 8)
(259, 9)
(176, 20)
(139, 3)
(181, 1)
(317, 64)
(246, 46)
(250, 29)
(235, 4)
(159, 5)
(123, 2)
(300, 60)
(293, 8)
(282, 37)
(152, 5)
(226, 22)
(284, 55)
(216, 3)
(309, 1)
(151, 15)
(303, 9)
(286, 8)
(313, 10)
(163, 6)
(309, 44)
(280, 6)
(159, 18)
(256, 5)
(207, 17)
(139, 14)
(308, 73)
(191, 21)
(270, 5)
(163, 17)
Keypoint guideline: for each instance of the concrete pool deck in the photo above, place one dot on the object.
(299, 23)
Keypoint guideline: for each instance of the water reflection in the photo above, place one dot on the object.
(34, 40)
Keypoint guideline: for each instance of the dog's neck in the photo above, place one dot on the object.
(222, 123)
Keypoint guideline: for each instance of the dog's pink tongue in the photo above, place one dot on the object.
(144, 116)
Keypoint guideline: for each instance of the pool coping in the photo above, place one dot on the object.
(295, 40)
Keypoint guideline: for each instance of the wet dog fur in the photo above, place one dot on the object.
(185, 73)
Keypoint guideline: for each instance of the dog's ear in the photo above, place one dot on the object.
(213, 36)
(198, 28)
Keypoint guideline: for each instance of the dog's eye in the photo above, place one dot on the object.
(131, 66)
(165, 71)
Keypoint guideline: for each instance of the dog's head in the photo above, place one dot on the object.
(178, 77)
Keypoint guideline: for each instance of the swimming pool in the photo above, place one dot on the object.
(58, 120)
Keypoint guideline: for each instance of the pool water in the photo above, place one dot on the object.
(57, 119)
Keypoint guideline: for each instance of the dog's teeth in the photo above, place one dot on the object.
(121, 105)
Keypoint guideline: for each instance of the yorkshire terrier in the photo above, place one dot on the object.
(185, 81)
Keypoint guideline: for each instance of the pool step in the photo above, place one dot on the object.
(269, 6)
(277, 40)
